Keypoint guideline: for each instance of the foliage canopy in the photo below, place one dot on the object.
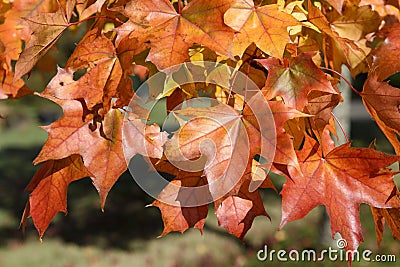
(292, 50)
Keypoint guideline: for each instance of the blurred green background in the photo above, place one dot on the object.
(126, 233)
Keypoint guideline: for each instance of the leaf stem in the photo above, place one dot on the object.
(344, 79)
(341, 127)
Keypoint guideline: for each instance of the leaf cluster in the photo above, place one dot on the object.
(292, 50)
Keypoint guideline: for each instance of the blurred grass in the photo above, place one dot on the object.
(192, 249)
(22, 118)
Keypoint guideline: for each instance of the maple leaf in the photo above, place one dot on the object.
(382, 102)
(109, 76)
(386, 56)
(226, 158)
(341, 181)
(356, 22)
(183, 215)
(183, 202)
(93, 47)
(264, 25)
(284, 150)
(11, 89)
(171, 33)
(132, 59)
(139, 138)
(46, 29)
(220, 149)
(102, 156)
(98, 85)
(13, 28)
(237, 139)
(128, 52)
(9, 35)
(339, 49)
(392, 218)
(293, 80)
(237, 212)
(49, 189)
(381, 99)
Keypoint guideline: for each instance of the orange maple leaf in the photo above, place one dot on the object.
(171, 33)
(49, 189)
(341, 181)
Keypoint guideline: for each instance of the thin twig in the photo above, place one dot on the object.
(344, 79)
(341, 127)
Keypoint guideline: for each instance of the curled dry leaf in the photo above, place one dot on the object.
(391, 216)
(382, 102)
